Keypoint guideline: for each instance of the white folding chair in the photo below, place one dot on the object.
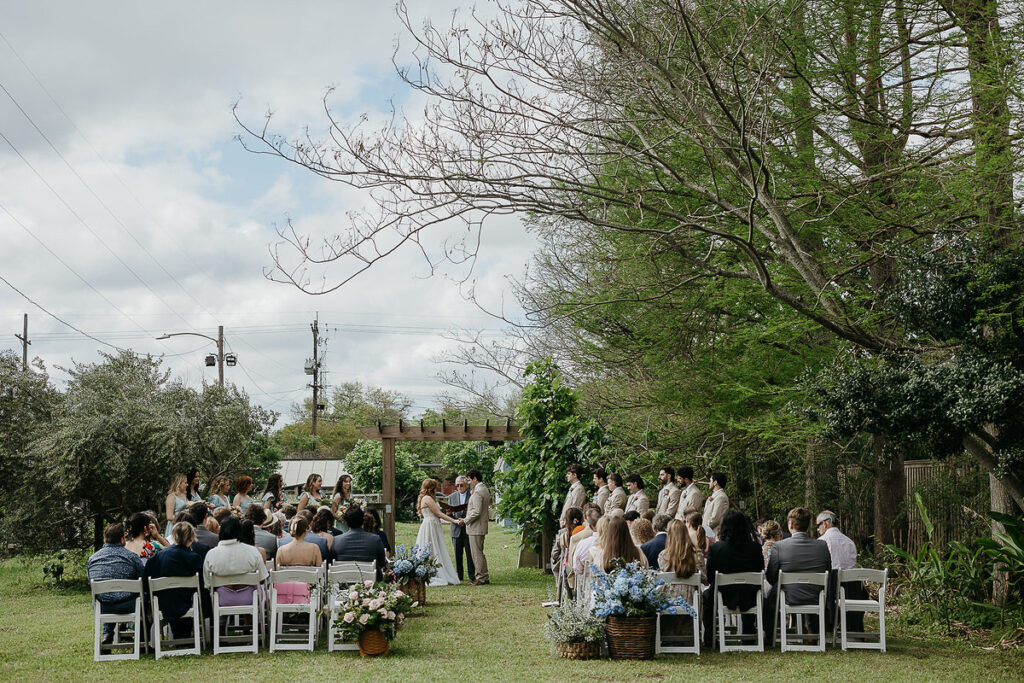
(672, 582)
(845, 605)
(340, 576)
(279, 631)
(818, 608)
(252, 609)
(170, 646)
(133, 586)
(753, 580)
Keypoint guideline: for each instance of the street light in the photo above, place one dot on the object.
(219, 341)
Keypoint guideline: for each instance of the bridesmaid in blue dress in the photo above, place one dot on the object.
(310, 498)
(271, 497)
(219, 488)
(341, 497)
(242, 500)
(192, 492)
(176, 501)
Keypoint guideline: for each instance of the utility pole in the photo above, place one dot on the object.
(220, 354)
(24, 345)
(316, 369)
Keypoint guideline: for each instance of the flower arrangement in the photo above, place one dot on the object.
(373, 607)
(414, 564)
(631, 591)
(573, 622)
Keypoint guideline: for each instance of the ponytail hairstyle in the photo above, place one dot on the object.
(696, 522)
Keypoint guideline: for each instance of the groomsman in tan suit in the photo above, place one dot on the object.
(601, 483)
(476, 525)
(668, 496)
(577, 495)
(637, 500)
(616, 494)
(717, 504)
(691, 496)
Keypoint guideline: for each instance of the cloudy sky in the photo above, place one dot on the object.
(128, 210)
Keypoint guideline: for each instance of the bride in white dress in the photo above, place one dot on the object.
(432, 533)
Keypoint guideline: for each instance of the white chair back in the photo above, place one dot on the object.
(97, 588)
(253, 610)
(754, 580)
(342, 575)
(817, 608)
(672, 583)
(169, 647)
(845, 605)
(290, 637)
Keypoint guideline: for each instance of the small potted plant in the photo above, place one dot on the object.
(413, 570)
(373, 615)
(630, 597)
(574, 631)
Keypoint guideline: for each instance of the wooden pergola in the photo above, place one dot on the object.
(389, 434)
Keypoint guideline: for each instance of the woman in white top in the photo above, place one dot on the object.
(310, 497)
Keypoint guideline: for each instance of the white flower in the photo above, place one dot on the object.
(399, 594)
(383, 612)
(368, 583)
(391, 615)
(353, 596)
(349, 617)
(363, 619)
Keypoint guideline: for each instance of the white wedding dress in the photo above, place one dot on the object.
(431, 532)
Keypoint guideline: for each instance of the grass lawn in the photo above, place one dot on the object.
(465, 632)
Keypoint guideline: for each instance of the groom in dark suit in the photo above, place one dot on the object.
(458, 500)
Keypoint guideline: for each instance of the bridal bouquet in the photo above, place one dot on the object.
(632, 591)
(372, 607)
(417, 563)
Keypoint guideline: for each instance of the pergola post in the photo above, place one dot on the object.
(388, 488)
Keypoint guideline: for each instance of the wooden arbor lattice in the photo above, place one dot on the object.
(389, 434)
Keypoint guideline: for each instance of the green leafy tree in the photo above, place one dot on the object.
(555, 436)
(458, 457)
(366, 465)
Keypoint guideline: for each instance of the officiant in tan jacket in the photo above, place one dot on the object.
(476, 525)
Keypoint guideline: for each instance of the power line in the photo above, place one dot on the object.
(62, 322)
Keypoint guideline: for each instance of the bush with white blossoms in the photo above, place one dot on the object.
(370, 606)
(632, 591)
(417, 563)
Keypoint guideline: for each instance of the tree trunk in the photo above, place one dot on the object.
(547, 541)
(1003, 502)
(890, 492)
(97, 531)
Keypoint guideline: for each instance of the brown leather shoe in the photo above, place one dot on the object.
(481, 583)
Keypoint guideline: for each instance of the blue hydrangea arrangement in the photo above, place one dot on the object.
(415, 563)
(632, 591)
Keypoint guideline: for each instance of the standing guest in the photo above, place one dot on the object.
(340, 499)
(577, 495)
(798, 553)
(264, 539)
(323, 523)
(690, 496)
(138, 536)
(458, 501)
(717, 504)
(192, 492)
(601, 484)
(591, 513)
(114, 561)
(200, 513)
(358, 544)
(310, 497)
(177, 560)
(737, 551)
(668, 496)
(477, 516)
(271, 497)
(616, 494)
(616, 545)
(641, 531)
(680, 555)
(844, 556)
(219, 488)
(232, 557)
(652, 548)
(176, 501)
(637, 500)
(771, 531)
(371, 523)
(242, 500)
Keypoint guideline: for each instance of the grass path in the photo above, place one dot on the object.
(465, 632)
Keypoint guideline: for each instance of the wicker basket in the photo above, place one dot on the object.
(415, 589)
(373, 644)
(631, 637)
(578, 650)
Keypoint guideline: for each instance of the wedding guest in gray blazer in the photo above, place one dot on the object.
(357, 544)
(798, 553)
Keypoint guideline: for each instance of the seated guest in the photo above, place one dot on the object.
(637, 500)
(652, 548)
(154, 536)
(357, 544)
(699, 533)
(737, 551)
(844, 556)
(323, 523)
(615, 545)
(264, 539)
(114, 561)
(177, 560)
(798, 553)
(200, 513)
(212, 524)
(220, 514)
(232, 557)
(582, 558)
(771, 532)
(650, 515)
(630, 516)
(316, 539)
(275, 526)
(219, 488)
(138, 535)
(641, 531)
(248, 536)
(298, 553)
(680, 555)
(371, 523)
(289, 512)
(242, 500)
(591, 515)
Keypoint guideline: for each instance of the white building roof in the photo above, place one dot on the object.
(295, 472)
